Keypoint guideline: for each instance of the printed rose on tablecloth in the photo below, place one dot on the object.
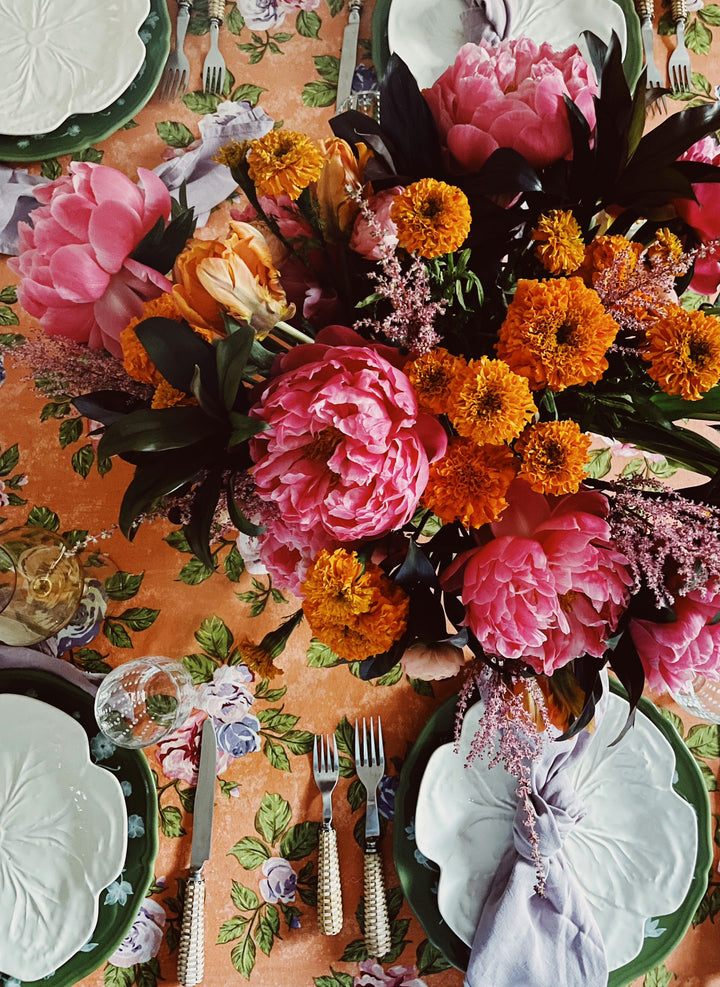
(280, 881)
(372, 974)
(144, 939)
(179, 754)
(78, 277)
(510, 95)
(240, 737)
(227, 698)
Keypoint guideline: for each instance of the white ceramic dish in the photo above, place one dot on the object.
(634, 853)
(427, 34)
(61, 58)
(63, 837)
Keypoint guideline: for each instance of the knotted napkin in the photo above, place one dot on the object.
(523, 939)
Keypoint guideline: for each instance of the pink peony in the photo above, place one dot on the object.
(704, 216)
(510, 95)
(77, 275)
(347, 450)
(179, 754)
(375, 239)
(287, 553)
(549, 587)
(672, 654)
(432, 661)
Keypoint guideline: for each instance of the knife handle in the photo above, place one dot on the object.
(191, 952)
(329, 901)
(377, 923)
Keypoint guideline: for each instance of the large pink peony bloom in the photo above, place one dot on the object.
(347, 449)
(704, 216)
(510, 95)
(672, 654)
(77, 276)
(287, 553)
(549, 587)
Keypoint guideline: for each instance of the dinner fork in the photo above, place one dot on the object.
(177, 67)
(326, 769)
(679, 64)
(370, 764)
(214, 68)
(646, 11)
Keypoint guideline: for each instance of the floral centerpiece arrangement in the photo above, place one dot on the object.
(387, 377)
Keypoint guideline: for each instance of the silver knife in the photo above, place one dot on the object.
(191, 955)
(348, 56)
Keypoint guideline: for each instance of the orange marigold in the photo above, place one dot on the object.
(683, 350)
(490, 403)
(283, 162)
(470, 482)
(258, 660)
(559, 243)
(603, 251)
(433, 376)
(167, 396)
(352, 606)
(432, 218)
(667, 249)
(556, 333)
(554, 456)
(135, 358)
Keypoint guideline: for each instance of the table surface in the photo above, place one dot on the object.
(178, 608)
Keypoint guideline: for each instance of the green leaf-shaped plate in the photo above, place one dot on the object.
(84, 129)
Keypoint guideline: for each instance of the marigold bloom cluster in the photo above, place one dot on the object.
(352, 606)
(683, 350)
(558, 240)
(554, 456)
(283, 162)
(432, 218)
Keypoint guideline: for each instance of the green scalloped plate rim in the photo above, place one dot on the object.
(114, 921)
(419, 884)
(632, 63)
(81, 130)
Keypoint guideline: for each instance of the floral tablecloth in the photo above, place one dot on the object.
(261, 923)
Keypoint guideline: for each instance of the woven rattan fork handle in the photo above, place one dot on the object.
(679, 10)
(645, 8)
(329, 894)
(191, 951)
(377, 923)
(216, 9)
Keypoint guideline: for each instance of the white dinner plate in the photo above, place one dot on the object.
(634, 853)
(427, 34)
(61, 57)
(63, 837)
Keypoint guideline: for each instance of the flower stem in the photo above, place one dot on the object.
(293, 332)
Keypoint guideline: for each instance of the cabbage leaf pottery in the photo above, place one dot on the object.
(62, 58)
(634, 852)
(63, 837)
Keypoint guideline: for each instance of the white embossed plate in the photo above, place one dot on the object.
(63, 837)
(634, 853)
(61, 58)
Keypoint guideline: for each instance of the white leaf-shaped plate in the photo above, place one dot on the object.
(634, 852)
(61, 57)
(63, 837)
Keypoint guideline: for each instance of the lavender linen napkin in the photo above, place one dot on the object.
(487, 20)
(48, 662)
(16, 203)
(522, 939)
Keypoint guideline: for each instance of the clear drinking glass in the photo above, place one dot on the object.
(701, 697)
(41, 584)
(141, 702)
(367, 102)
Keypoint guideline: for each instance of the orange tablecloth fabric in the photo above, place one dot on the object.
(186, 612)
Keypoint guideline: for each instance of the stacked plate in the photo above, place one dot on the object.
(72, 75)
(78, 832)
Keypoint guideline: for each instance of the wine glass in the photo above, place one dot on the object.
(701, 697)
(41, 583)
(143, 701)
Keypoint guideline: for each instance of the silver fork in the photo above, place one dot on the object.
(326, 769)
(679, 64)
(177, 67)
(214, 68)
(370, 764)
(646, 11)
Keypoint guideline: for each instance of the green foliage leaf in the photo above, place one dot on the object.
(711, 782)
(7, 316)
(250, 852)
(82, 460)
(231, 929)
(273, 817)
(118, 976)
(298, 741)
(672, 718)
(319, 94)
(392, 677)
(215, 637)
(9, 460)
(70, 431)
(265, 936)
(308, 24)
(116, 634)
(174, 134)
(698, 38)
(243, 898)
(43, 517)
(235, 21)
(275, 753)
(335, 6)
(123, 585)
(234, 565)
(300, 841)
(51, 168)
(704, 740)
(201, 103)
(195, 572)
(659, 976)
(242, 957)
(422, 687)
(320, 656)
(248, 92)
(8, 294)
(429, 959)
(355, 952)
(200, 667)
(156, 430)
(139, 618)
(171, 821)
(337, 979)
(599, 464)
(710, 14)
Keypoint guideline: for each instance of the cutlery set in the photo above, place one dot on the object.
(370, 765)
(679, 64)
(176, 73)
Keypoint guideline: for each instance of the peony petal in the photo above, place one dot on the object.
(76, 274)
(114, 232)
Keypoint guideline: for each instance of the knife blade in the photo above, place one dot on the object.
(191, 954)
(348, 55)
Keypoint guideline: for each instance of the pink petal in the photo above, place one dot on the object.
(114, 232)
(76, 274)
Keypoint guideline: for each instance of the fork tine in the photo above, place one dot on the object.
(381, 749)
(335, 760)
(316, 764)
